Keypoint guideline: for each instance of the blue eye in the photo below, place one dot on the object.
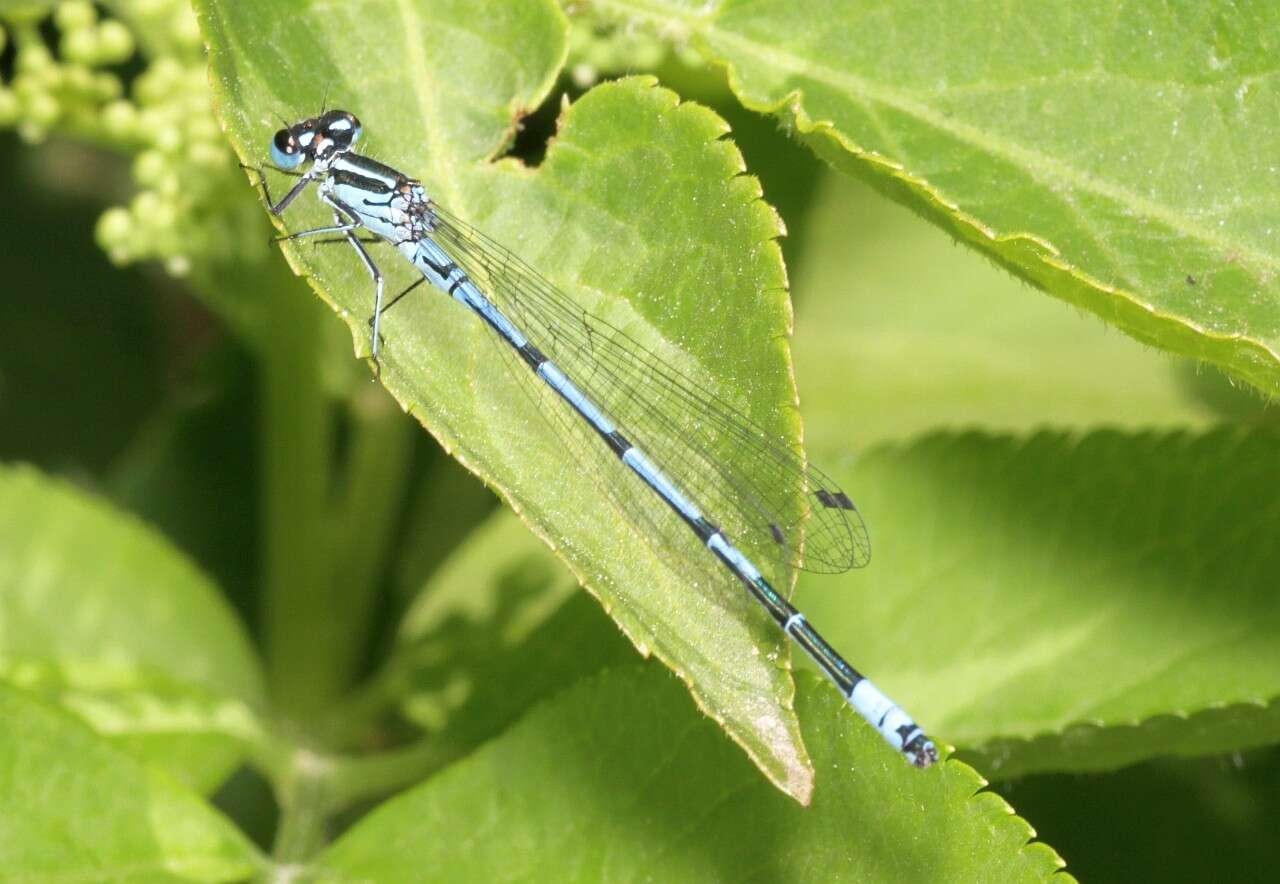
(284, 151)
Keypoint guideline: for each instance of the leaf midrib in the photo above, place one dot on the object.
(426, 105)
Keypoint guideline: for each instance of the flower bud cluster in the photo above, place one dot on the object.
(190, 203)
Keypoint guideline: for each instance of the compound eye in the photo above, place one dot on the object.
(285, 152)
(341, 127)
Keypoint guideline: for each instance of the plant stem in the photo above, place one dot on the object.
(374, 776)
(365, 514)
(365, 706)
(312, 788)
(306, 804)
(300, 619)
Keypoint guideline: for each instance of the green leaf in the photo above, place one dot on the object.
(640, 211)
(1122, 158)
(1060, 603)
(105, 617)
(621, 779)
(77, 809)
(902, 334)
(499, 627)
(1170, 821)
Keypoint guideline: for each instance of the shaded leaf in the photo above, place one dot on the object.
(901, 333)
(621, 779)
(501, 626)
(1061, 603)
(1171, 821)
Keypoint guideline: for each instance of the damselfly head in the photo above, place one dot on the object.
(316, 138)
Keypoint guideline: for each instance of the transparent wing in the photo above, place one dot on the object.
(626, 491)
(760, 491)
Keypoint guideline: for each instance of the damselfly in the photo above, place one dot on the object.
(720, 477)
